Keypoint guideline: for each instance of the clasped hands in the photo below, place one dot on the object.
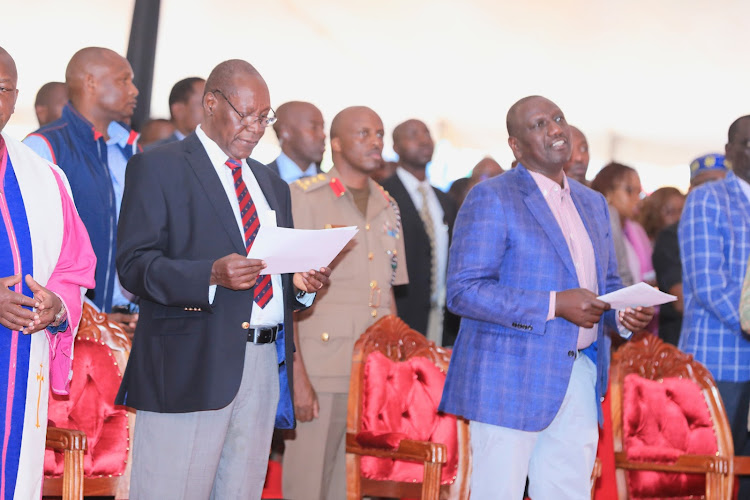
(240, 273)
(581, 307)
(13, 312)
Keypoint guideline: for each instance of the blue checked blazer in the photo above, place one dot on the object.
(510, 366)
(714, 235)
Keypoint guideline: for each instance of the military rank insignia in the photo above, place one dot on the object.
(337, 187)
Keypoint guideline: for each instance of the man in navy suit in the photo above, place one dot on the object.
(531, 252)
(212, 352)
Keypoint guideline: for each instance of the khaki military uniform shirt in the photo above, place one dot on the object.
(361, 277)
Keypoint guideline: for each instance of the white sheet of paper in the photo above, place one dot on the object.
(288, 250)
(640, 294)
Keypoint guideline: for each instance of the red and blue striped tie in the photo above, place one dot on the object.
(263, 291)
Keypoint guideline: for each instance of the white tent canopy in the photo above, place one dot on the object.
(652, 84)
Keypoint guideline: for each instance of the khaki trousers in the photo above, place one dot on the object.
(315, 461)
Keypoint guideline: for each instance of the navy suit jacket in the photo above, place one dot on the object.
(413, 299)
(510, 366)
(175, 221)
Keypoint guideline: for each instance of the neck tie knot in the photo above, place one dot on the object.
(233, 164)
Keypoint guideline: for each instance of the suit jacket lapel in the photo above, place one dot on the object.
(585, 211)
(538, 207)
(198, 160)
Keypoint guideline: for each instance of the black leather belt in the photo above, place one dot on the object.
(263, 335)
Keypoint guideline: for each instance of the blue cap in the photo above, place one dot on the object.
(712, 161)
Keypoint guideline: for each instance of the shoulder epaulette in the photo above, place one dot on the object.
(386, 194)
(310, 183)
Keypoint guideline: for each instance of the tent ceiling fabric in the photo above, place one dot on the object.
(650, 83)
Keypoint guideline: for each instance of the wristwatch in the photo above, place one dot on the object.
(61, 316)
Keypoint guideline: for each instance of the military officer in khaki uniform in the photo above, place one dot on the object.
(360, 293)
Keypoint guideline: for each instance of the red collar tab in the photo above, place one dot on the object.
(337, 187)
(132, 137)
(97, 135)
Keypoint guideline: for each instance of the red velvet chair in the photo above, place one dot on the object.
(397, 443)
(100, 353)
(670, 431)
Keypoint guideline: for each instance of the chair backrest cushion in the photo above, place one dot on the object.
(403, 397)
(663, 419)
(90, 408)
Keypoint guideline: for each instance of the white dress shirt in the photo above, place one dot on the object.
(273, 313)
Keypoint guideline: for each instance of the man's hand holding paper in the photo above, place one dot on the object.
(640, 294)
(635, 304)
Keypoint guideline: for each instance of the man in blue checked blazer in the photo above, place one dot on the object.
(714, 235)
(531, 252)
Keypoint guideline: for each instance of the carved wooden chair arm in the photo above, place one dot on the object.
(408, 449)
(73, 444)
(690, 464)
(65, 439)
(741, 466)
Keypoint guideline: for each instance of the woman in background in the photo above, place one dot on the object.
(659, 210)
(621, 186)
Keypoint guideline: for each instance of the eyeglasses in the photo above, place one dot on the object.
(263, 120)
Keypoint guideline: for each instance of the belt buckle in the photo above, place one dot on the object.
(264, 335)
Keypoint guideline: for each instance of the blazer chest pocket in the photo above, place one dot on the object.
(174, 320)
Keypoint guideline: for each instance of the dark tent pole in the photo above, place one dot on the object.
(142, 53)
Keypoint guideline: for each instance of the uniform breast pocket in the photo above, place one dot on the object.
(327, 341)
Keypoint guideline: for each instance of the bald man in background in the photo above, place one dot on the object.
(576, 167)
(485, 169)
(300, 129)
(427, 215)
(155, 131)
(49, 103)
(92, 145)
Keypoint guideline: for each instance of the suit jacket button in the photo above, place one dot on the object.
(245, 325)
(572, 354)
(324, 336)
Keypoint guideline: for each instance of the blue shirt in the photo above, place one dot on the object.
(290, 171)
